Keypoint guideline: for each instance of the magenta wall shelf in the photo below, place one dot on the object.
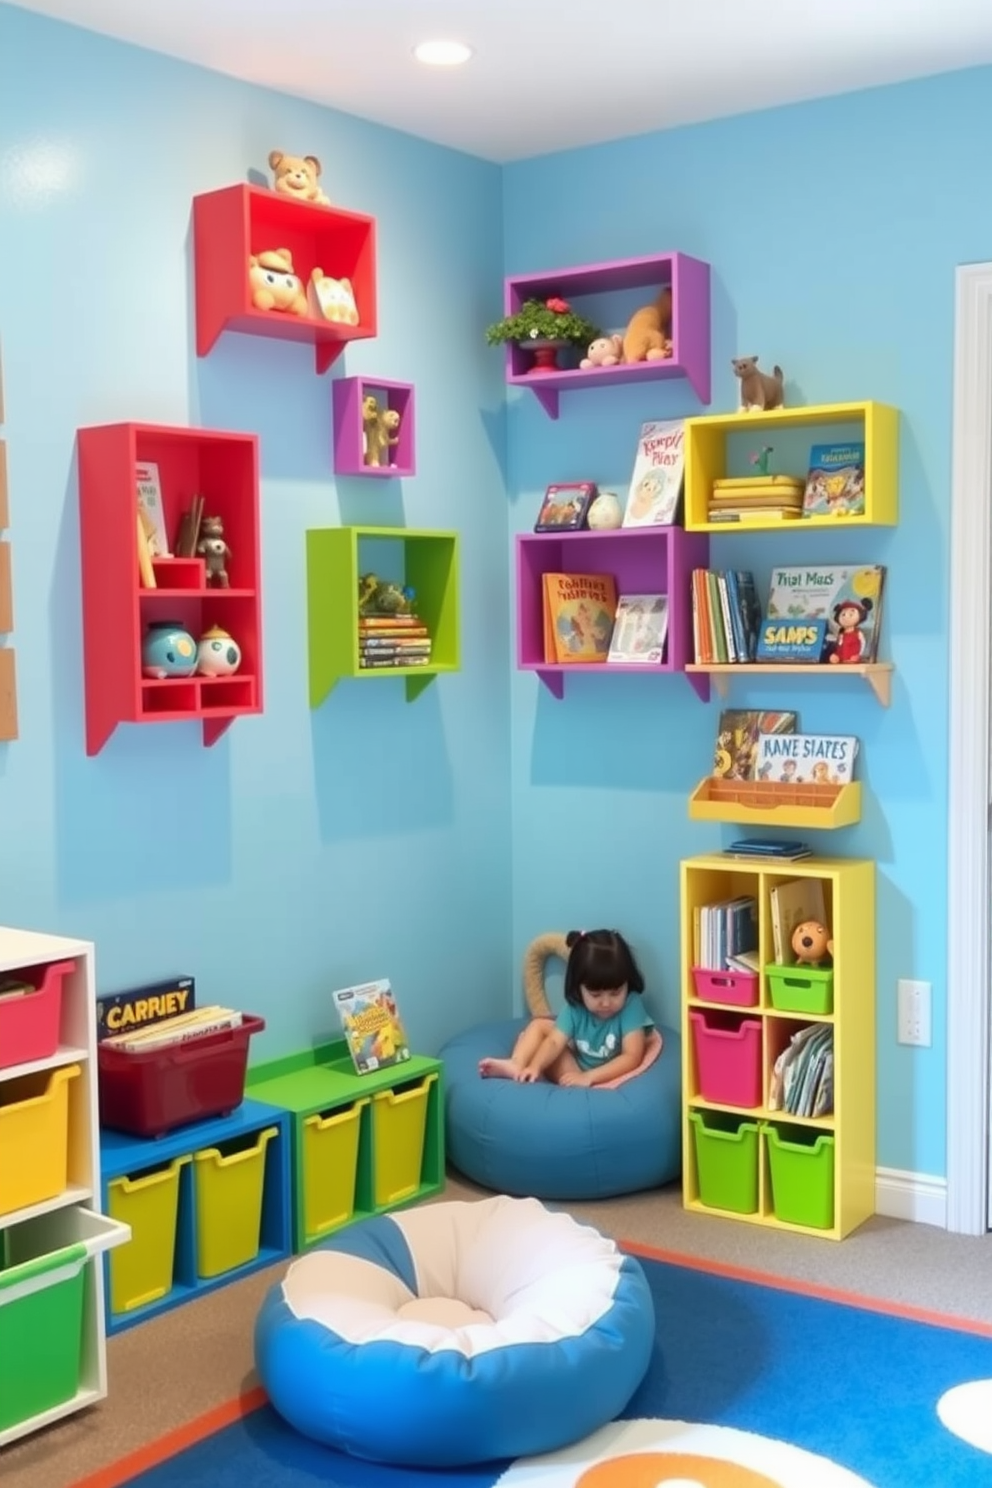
(348, 394)
(652, 560)
(689, 279)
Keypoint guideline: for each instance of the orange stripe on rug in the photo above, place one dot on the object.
(811, 1289)
(175, 1441)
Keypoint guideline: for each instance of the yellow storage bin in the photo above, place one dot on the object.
(34, 1137)
(330, 1169)
(142, 1270)
(229, 1189)
(399, 1121)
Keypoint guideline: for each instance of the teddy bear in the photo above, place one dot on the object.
(649, 331)
(274, 283)
(214, 550)
(297, 176)
(605, 351)
(812, 943)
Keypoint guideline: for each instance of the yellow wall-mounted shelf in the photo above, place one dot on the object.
(770, 803)
(709, 457)
(878, 674)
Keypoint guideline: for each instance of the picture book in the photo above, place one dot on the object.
(579, 610)
(791, 903)
(640, 630)
(564, 507)
(125, 1012)
(150, 503)
(806, 759)
(736, 750)
(835, 484)
(848, 599)
(656, 485)
(792, 640)
(372, 1026)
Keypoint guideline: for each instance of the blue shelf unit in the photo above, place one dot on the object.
(123, 1156)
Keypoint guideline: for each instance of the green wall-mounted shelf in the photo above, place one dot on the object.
(336, 556)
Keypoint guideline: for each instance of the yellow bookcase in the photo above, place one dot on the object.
(770, 1163)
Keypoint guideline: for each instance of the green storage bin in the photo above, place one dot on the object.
(41, 1333)
(726, 1160)
(801, 1168)
(801, 989)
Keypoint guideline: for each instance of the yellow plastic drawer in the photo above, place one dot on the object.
(34, 1137)
(399, 1121)
(330, 1169)
(229, 1188)
(142, 1271)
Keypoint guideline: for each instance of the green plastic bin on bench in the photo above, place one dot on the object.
(726, 1160)
(801, 1168)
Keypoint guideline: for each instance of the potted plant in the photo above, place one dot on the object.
(544, 327)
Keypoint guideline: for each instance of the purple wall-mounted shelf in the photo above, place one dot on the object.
(689, 279)
(647, 560)
(349, 439)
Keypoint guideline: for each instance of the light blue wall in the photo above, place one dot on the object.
(305, 850)
(834, 229)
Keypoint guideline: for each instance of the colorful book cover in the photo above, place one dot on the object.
(149, 489)
(579, 610)
(737, 737)
(639, 631)
(848, 599)
(656, 484)
(806, 759)
(372, 1026)
(835, 485)
(792, 640)
(564, 507)
(125, 1012)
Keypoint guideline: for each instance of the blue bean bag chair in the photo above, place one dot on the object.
(456, 1333)
(549, 1141)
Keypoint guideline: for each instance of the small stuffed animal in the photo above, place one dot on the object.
(297, 176)
(334, 299)
(370, 428)
(605, 351)
(215, 551)
(648, 334)
(274, 283)
(389, 432)
(759, 391)
(811, 943)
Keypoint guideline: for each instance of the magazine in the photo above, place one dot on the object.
(372, 1026)
(639, 630)
(656, 484)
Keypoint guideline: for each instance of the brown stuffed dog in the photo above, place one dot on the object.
(297, 176)
(759, 391)
(648, 337)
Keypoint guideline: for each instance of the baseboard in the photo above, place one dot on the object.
(915, 1196)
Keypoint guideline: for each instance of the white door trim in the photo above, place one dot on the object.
(968, 882)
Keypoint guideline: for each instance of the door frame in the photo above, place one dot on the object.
(969, 757)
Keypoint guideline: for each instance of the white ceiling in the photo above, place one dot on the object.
(549, 74)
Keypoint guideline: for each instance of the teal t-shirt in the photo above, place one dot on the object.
(594, 1041)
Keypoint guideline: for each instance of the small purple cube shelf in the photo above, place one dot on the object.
(689, 280)
(646, 560)
(349, 393)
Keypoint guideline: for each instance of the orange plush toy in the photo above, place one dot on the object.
(297, 176)
(648, 337)
(274, 283)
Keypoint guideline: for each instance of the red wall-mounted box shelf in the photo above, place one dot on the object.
(221, 467)
(231, 224)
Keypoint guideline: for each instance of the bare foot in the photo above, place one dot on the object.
(499, 1069)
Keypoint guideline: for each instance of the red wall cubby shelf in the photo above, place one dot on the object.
(649, 560)
(236, 221)
(221, 467)
(349, 441)
(687, 277)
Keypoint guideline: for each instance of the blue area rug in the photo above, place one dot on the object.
(857, 1388)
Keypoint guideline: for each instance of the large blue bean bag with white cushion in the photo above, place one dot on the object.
(556, 1142)
(456, 1333)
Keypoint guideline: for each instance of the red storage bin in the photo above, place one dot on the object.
(30, 1022)
(147, 1095)
(728, 1058)
(739, 988)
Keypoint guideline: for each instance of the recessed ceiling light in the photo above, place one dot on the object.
(442, 53)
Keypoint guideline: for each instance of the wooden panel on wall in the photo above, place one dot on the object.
(6, 592)
(8, 694)
(4, 505)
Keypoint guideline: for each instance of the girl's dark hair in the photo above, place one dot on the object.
(599, 960)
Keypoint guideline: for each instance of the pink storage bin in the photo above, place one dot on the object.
(30, 1021)
(728, 1058)
(738, 988)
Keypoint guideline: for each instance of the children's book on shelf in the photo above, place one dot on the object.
(655, 491)
(565, 507)
(758, 498)
(802, 1082)
(726, 615)
(639, 630)
(764, 847)
(847, 599)
(806, 759)
(725, 934)
(372, 1026)
(579, 611)
(140, 1007)
(835, 485)
(736, 752)
(149, 488)
(181, 1029)
(791, 903)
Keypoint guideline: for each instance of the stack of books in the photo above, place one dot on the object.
(802, 1082)
(726, 616)
(177, 1030)
(393, 641)
(757, 498)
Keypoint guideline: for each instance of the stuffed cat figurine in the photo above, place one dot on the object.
(332, 299)
(759, 391)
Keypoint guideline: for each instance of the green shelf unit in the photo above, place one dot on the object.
(336, 556)
(320, 1085)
